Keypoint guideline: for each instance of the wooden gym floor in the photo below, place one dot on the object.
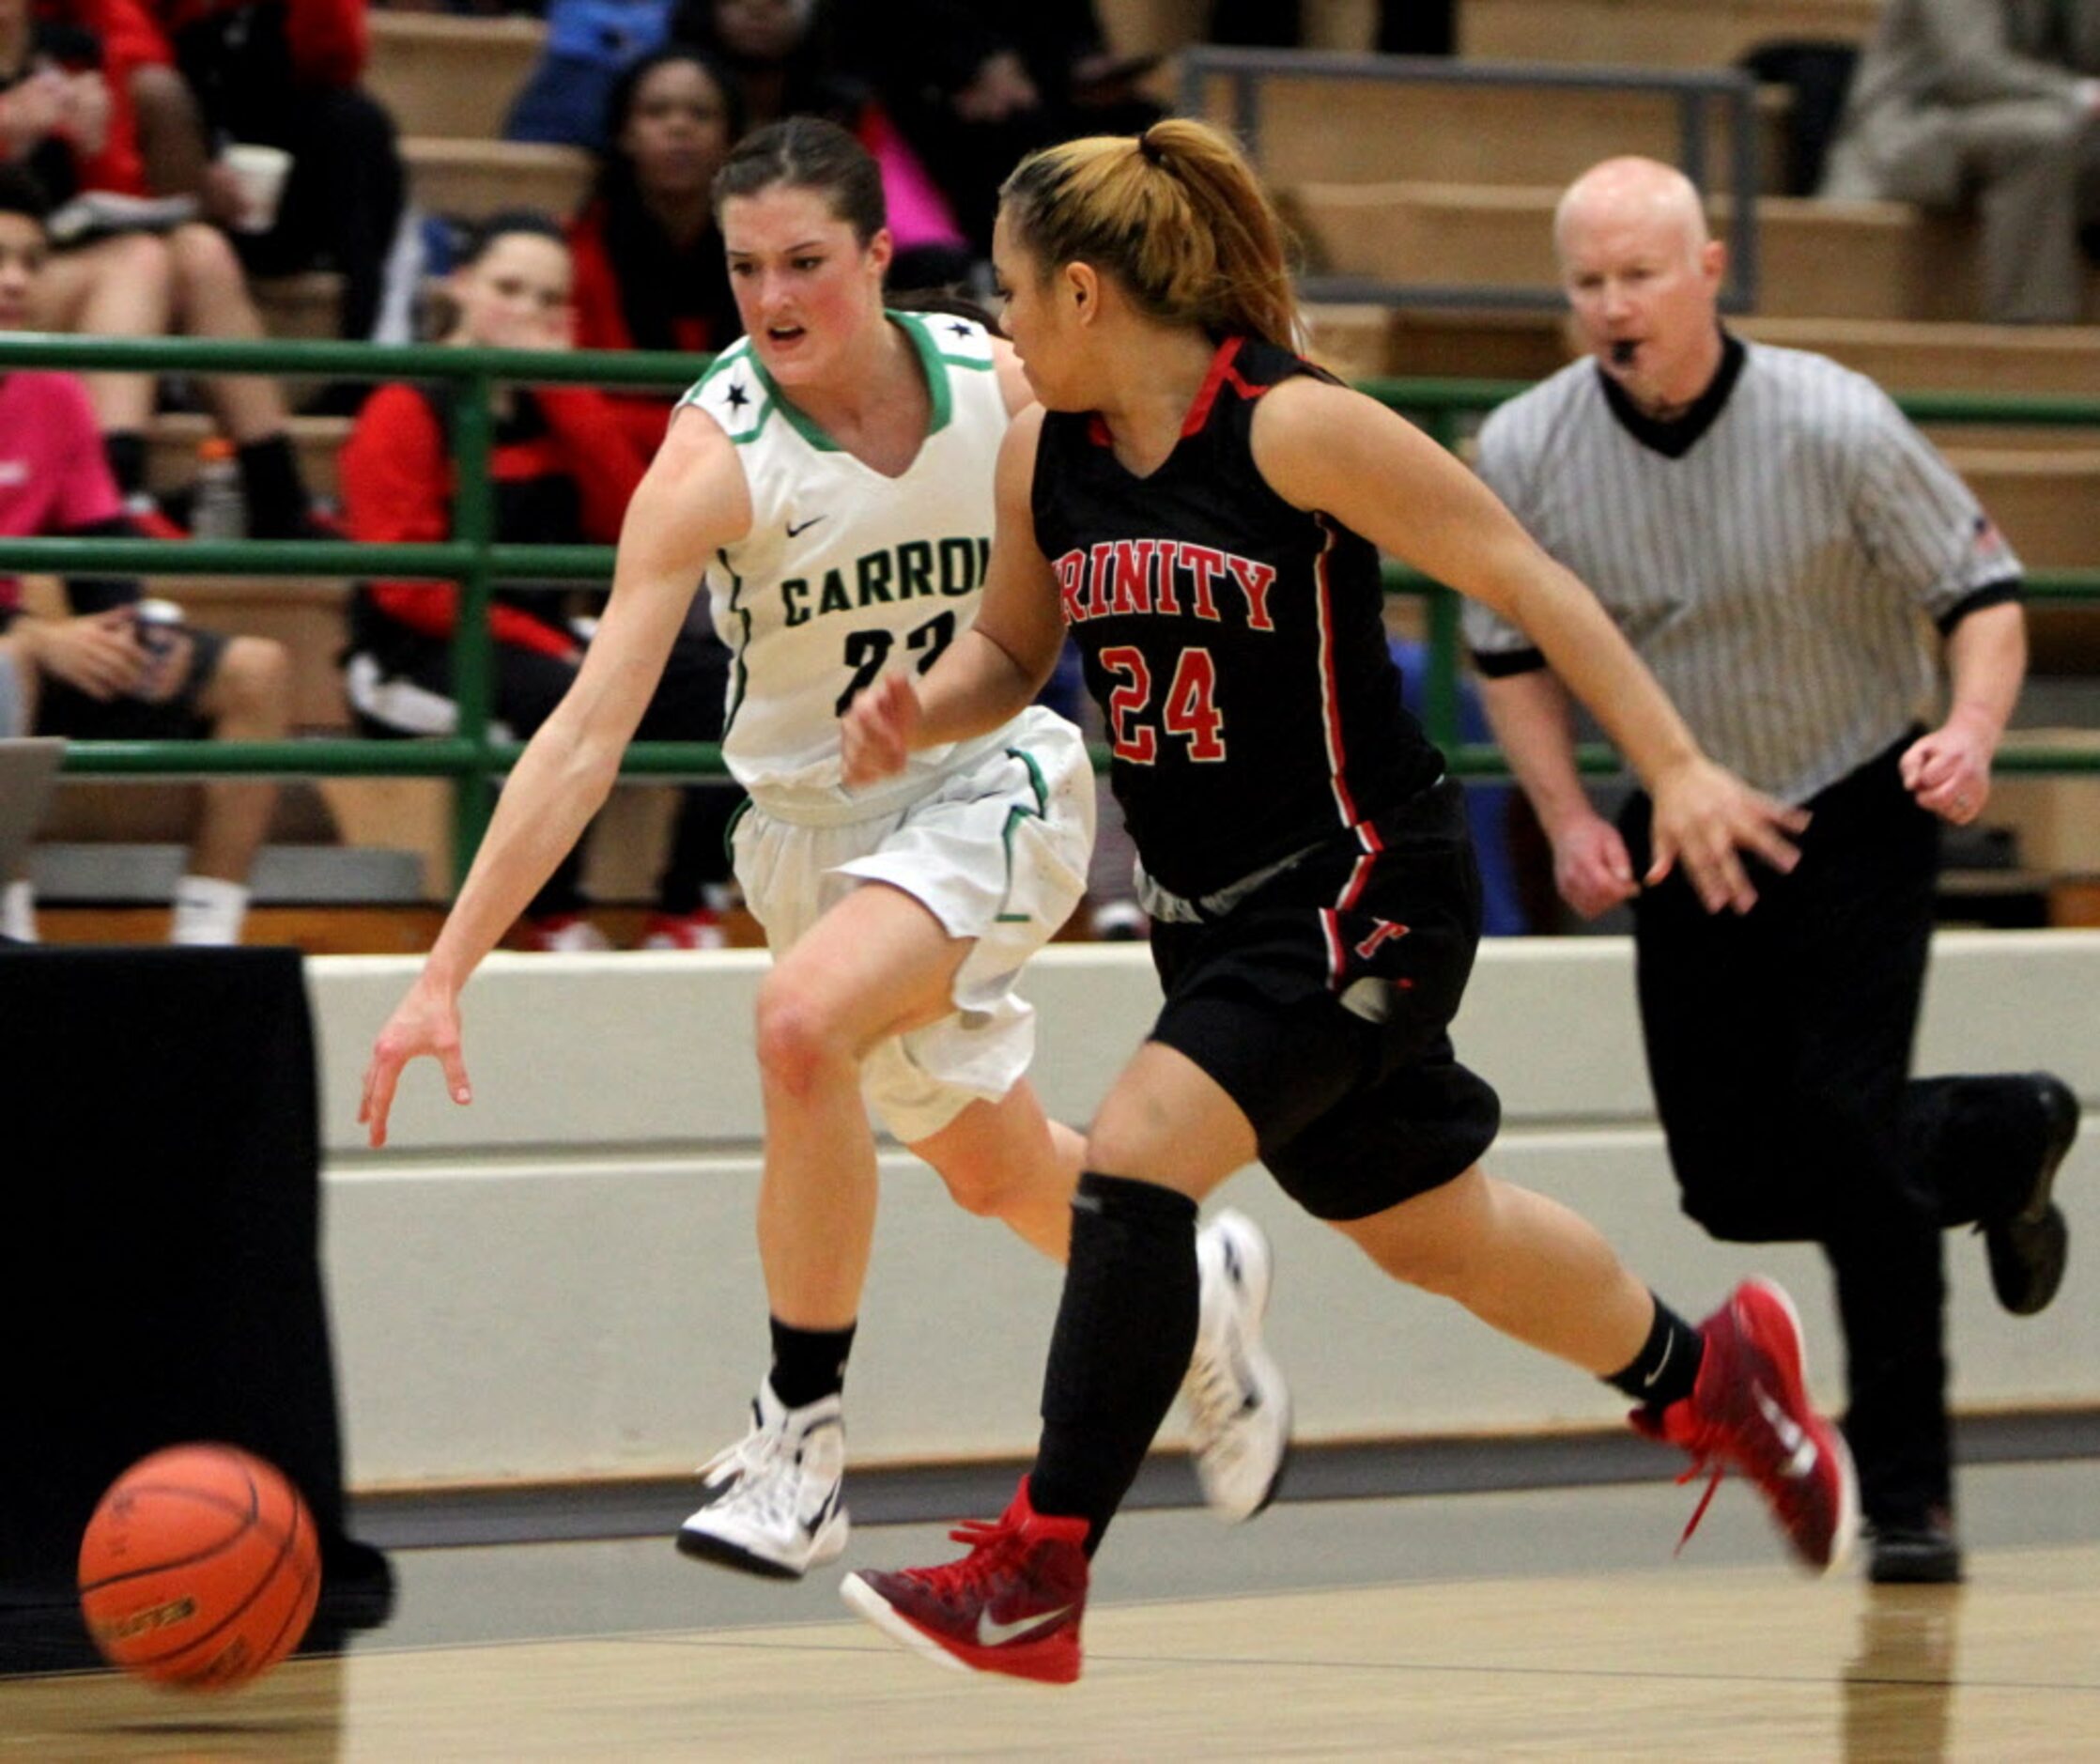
(1541, 1624)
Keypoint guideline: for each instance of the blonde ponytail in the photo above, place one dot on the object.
(1176, 214)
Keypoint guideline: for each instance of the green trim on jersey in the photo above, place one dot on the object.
(918, 322)
(736, 355)
(729, 828)
(741, 679)
(1019, 813)
(931, 364)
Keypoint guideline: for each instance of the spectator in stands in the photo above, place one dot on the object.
(787, 65)
(590, 45)
(976, 85)
(650, 272)
(129, 268)
(1403, 27)
(104, 673)
(564, 468)
(1960, 100)
(282, 73)
(1773, 537)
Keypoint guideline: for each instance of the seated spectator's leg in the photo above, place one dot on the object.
(115, 287)
(247, 698)
(2027, 156)
(211, 300)
(528, 688)
(2088, 192)
(341, 202)
(18, 689)
(170, 132)
(687, 706)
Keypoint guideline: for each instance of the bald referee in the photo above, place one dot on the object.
(1793, 561)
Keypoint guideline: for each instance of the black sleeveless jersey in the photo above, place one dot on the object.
(1236, 645)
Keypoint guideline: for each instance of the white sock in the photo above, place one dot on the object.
(18, 911)
(208, 911)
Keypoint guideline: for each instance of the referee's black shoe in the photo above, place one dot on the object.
(1921, 1554)
(2029, 1246)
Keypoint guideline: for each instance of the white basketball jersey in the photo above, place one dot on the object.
(847, 574)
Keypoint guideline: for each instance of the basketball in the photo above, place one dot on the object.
(199, 1568)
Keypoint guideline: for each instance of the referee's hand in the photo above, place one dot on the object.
(1706, 819)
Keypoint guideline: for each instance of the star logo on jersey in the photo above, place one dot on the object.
(738, 397)
(959, 328)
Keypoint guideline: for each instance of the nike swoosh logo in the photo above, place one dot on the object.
(812, 1526)
(1669, 1347)
(992, 1635)
(795, 527)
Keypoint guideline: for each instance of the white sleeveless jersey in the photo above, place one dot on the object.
(846, 575)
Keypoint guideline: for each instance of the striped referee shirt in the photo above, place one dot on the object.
(1778, 555)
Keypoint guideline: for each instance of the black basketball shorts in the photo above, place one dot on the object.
(1323, 1001)
(66, 710)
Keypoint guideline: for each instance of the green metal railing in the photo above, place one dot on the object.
(476, 561)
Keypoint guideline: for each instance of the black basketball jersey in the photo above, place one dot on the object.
(1236, 645)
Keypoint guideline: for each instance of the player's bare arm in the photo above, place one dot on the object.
(991, 673)
(1327, 447)
(692, 500)
(1529, 715)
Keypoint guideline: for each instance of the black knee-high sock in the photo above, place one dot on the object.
(276, 492)
(124, 450)
(1125, 1330)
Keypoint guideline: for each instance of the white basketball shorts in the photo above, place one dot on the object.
(997, 852)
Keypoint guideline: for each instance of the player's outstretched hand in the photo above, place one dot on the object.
(1704, 818)
(1591, 867)
(876, 734)
(425, 1022)
(1949, 771)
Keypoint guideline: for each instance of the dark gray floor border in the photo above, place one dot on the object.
(919, 1494)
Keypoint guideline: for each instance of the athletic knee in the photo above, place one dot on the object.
(253, 682)
(203, 263)
(986, 1187)
(139, 262)
(800, 1045)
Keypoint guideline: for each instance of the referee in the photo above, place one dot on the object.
(1780, 544)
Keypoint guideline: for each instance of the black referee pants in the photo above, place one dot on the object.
(1779, 1046)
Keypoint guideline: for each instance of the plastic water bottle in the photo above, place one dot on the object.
(218, 510)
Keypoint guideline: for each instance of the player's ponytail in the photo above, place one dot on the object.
(1176, 214)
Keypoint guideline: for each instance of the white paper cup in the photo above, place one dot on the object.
(260, 171)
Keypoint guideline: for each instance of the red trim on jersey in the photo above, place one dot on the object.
(1329, 702)
(1329, 928)
(1214, 381)
(1097, 430)
(1367, 836)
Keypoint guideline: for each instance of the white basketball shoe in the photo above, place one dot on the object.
(1239, 1405)
(773, 1505)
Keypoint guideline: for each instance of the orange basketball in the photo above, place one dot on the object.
(199, 1568)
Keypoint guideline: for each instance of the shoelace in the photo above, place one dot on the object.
(1758, 1453)
(992, 1541)
(1214, 1390)
(750, 1454)
(1698, 1468)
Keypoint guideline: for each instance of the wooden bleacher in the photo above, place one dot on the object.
(1418, 183)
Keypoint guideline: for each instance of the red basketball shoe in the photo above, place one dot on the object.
(1749, 1412)
(1012, 1605)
